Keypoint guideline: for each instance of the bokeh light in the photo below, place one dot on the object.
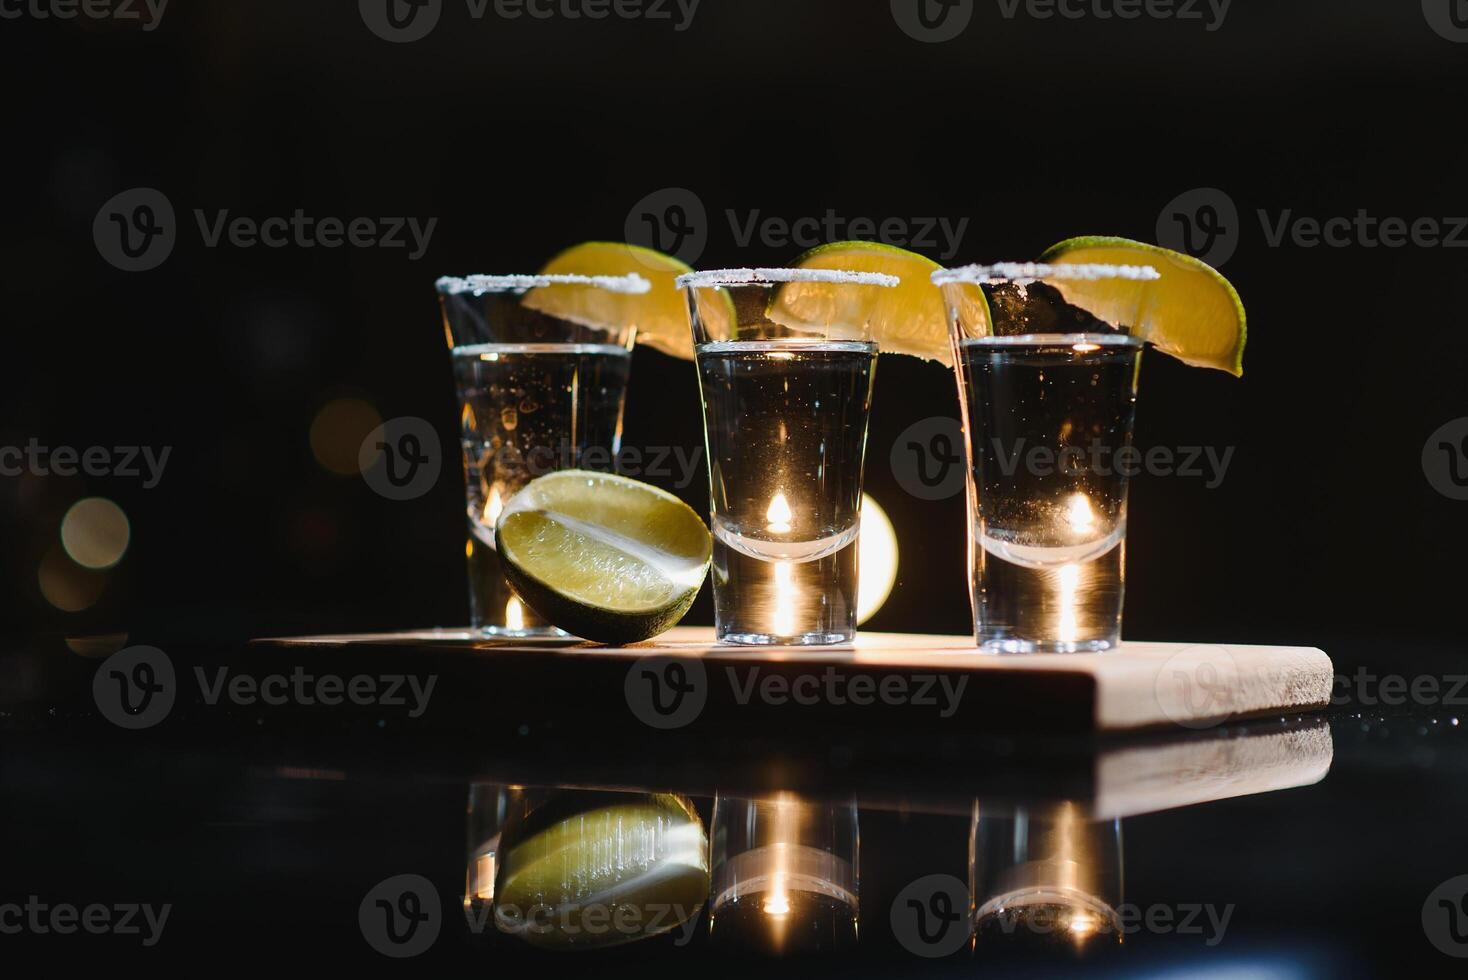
(877, 558)
(67, 586)
(337, 433)
(95, 533)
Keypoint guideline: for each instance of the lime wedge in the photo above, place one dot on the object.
(598, 873)
(603, 557)
(907, 319)
(1191, 313)
(660, 316)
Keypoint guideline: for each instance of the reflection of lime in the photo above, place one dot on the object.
(1192, 312)
(591, 872)
(660, 316)
(602, 556)
(907, 319)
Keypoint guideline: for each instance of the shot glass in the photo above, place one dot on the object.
(786, 371)
(1049, 393)
(538, 392)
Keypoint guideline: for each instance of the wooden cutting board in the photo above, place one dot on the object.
(887, 677)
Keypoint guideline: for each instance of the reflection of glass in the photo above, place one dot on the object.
(1049, 397)
(489, 805)
(588, 870)
(537, 393)
(787, 387)
(785, 875)
(1045, 877)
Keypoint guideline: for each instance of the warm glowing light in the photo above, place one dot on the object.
(779, 515)
(1086, 348)
(66, 586)
(1067, 628)
(778, 901)
(514, 614)
(337, 434)
(1079, 514)
(1082, 924)
(782, 623)
(95, 533)
(493, 506)
(876, 559)
(484, 877)
(489, 357)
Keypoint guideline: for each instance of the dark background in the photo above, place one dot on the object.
(524, 136)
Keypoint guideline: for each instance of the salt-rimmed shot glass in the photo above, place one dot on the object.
(786, 364)
(1049, 395)
(538, 392)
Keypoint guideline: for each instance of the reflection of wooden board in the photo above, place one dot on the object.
(1139, 686)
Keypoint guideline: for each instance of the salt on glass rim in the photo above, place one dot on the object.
(632, 285)
(721, 278)
(1023, 272)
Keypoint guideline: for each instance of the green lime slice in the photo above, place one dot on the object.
(1192, 313)
(659, 316)
(907, 319)
(602, 556)
(607, 873)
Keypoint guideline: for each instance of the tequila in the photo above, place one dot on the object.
(1045, 415)
(787, 428)
(528, 410)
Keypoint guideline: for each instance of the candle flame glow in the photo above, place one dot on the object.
(779, 515)
(1067, 627)
(1079, 514)
(514, 614)
(493, 506)
(782, 623)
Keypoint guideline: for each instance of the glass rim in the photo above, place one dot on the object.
(1021, 273)
(1058, 340)
(734, 278)
(630, 285)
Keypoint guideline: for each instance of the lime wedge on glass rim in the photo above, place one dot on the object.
(602, 556)
(1192, 312)
(659, 316)
(566, 876)
(909, 318)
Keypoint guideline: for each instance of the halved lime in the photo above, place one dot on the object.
(907, 319)
(660, 316)
(603, 557)
(602, 869)
(1192, 312)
